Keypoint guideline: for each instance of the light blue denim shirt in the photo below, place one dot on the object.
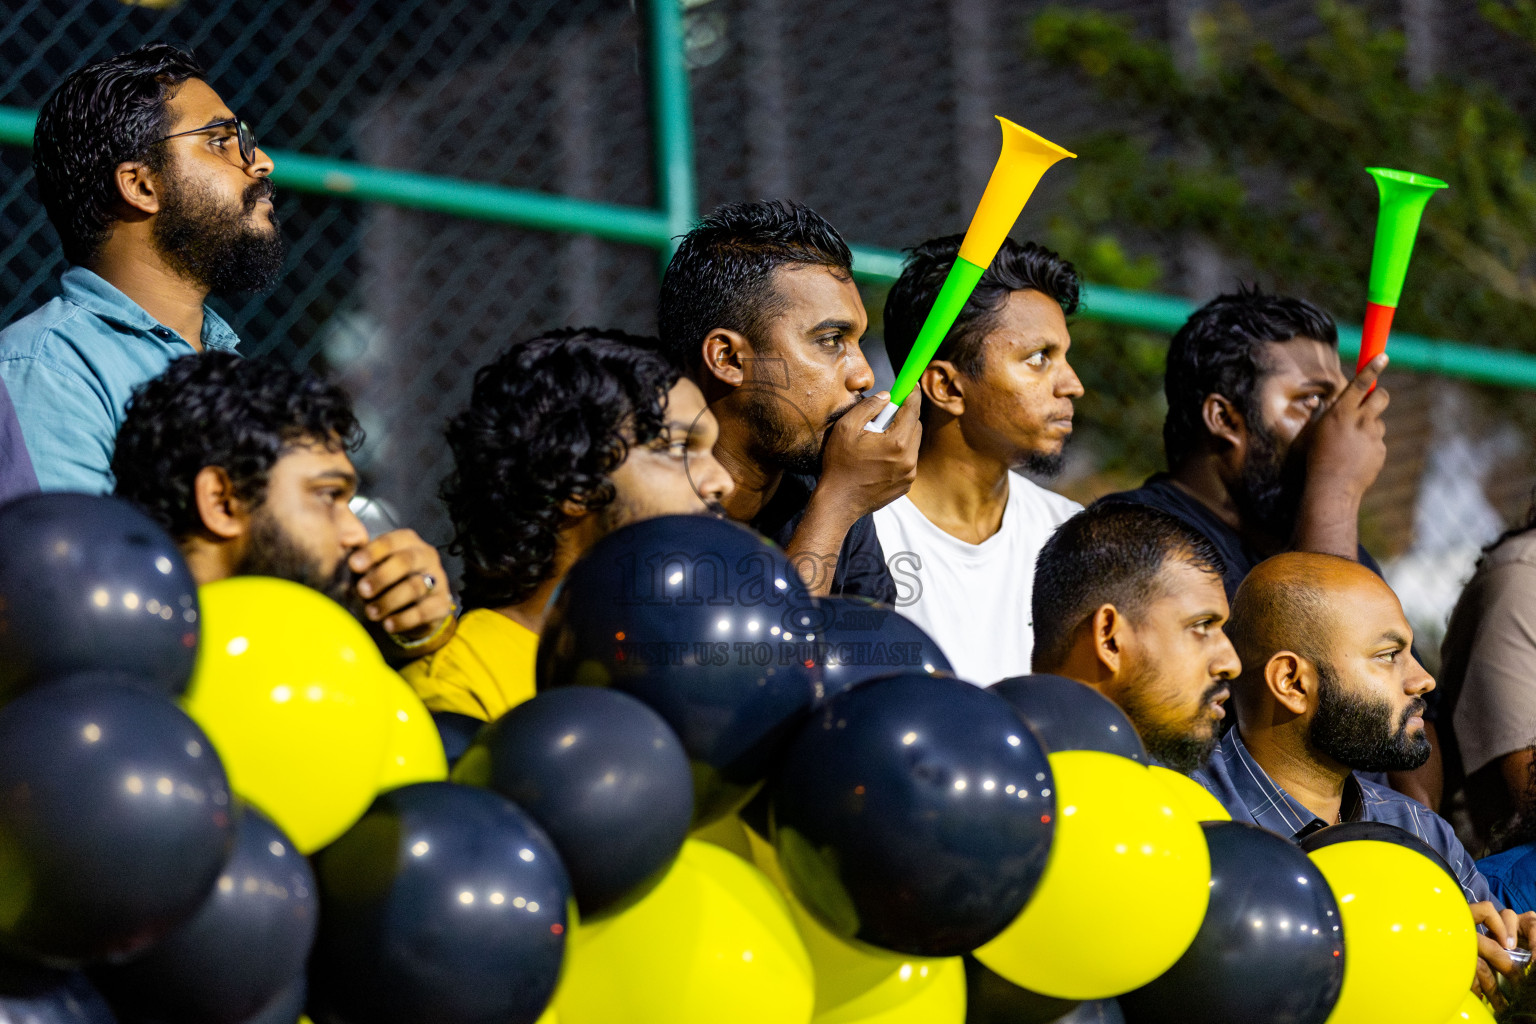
(70, 368)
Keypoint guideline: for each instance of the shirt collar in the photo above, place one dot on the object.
(1270, 805)
(94, 294)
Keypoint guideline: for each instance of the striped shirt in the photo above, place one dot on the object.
(1249, 794)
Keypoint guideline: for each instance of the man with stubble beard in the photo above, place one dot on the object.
(997, 403)
(160, 198)
(759, 308)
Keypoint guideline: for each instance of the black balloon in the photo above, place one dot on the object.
(90, 583)
(457, 732)
(35, 995)
(115, 820)
(444, 904)
(1377, 831)
(859, 640)
(1270, 950)
(992, 999)
(244, 946)
(602, 774)
(908, 814)
(1069, 715)
(285, 1008)
(707, 623)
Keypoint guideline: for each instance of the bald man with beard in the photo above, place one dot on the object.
(1329, 686)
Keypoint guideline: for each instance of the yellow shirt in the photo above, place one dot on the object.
(483, 672)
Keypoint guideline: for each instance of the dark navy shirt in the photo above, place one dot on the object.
(860, 571)
(1512, 876)
(1249, 794)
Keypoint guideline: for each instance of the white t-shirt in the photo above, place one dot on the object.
(974, 599)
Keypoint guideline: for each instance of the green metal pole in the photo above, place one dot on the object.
(672, 118)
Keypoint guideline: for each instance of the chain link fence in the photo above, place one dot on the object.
(877, 114)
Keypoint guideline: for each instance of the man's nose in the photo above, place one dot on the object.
(1069, 386)
(860, 376)
(717, 484)
(1227, 665)
(353, 534)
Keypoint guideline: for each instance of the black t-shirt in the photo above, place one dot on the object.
(1238, 559)
(860, 571)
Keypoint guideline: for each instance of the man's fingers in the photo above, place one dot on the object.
(1486, 914)
(429, 611)
(381, 547)
(1367, 377)
(1491, 952)
(1485, 983)
(906, 421)
(867, 409)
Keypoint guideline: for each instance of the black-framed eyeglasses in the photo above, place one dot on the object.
(243, 133)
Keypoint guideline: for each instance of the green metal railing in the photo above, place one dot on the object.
(676, 188)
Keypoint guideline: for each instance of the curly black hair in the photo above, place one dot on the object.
(1220, 351)
(546, 423)
(1015, 268)
(102, 115)
(217, 409)
(722, 273)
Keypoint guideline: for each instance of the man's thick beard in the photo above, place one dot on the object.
(1358, 731)
(272, 552)
(1174, 746)
(1268, 492)
(214, 245)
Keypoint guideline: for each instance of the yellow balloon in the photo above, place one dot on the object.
(856, 983)
(1472, 1011)
(289, 688)
(1192, 796)
(1125, 850)
(729, 833)
(1400, 911)
(714, 942)
(415, 752)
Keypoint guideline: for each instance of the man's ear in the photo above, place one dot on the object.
(727, 356)
(1223, 421)
(1109, 629)
(222, 514)
(943, 387)
(1292, 681)
(137, 187)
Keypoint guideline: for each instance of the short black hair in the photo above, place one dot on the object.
(1016, 267)
(722, 273)
(546, 423)
(1112, 552)
(1220, 351)
(102, 115)
(217, 409)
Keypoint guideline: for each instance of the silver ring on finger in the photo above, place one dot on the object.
(429, 581)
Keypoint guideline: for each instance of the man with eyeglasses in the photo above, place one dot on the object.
(160, 198)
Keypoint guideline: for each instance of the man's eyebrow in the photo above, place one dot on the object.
(335, 474)
(832, 323)
(1393, 636)
(215, 122)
